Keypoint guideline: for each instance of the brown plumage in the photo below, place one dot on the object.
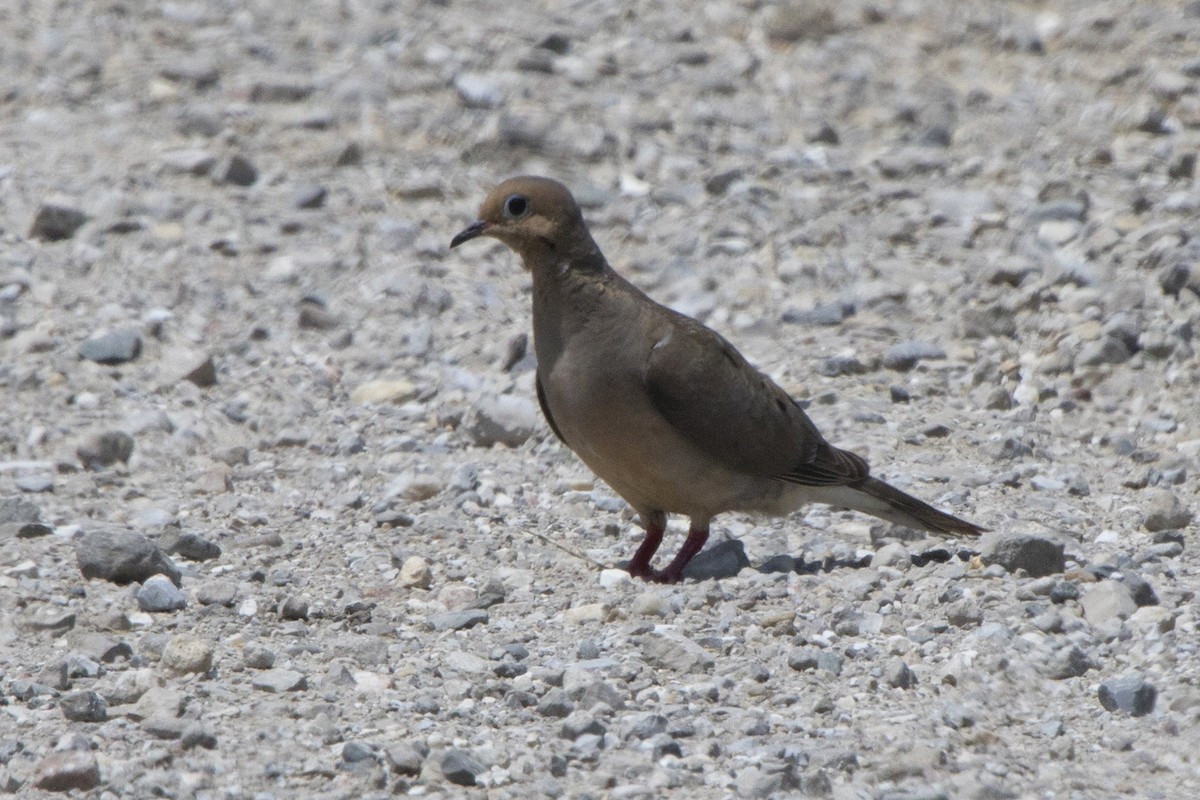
(658, 405)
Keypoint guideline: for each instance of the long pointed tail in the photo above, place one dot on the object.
(874, 497)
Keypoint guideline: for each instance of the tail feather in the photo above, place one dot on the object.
(874, 497)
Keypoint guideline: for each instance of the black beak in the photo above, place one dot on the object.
(476, 228)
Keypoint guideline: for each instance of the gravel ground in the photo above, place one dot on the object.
(280, 517)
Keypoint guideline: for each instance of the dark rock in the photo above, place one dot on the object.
(66, 770)
(1129, 693)
(123, 557)
(779, 563)
(236, 171)
(84, 707)
(55, 222)
(459, 768)
(196, 735)
(898, 675)
(555, 703)
(1037, 555)
(109, 349)
(105, 449)
(1140, 589)
(191, 546)
(722, 560)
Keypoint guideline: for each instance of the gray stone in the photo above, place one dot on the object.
(197, 735)
(1140, 589)
(191, 546)
(1069, 662)
(1105, 350)
(55, 221)
(100, 646)
(904, 356)
(35, 483)
(293, 608)
(123, 557)
(677, 653)
(1164, 511)
(505, 419)
(354, 752)
(105, 449)
(555, 703)
(278, 681)
(258, 657)
(1130, 693)
(404, 758)
(477, 91)
(458, 620)
(898, 675)
(460, 768)
(66, 770)
(1107, 600)
(310, 196)
(1037, 555)
(16, 509)
(186, 653)
(236, 170)
(115, 347)
(579, 723)
(723, 560)
(84, 707)
(217, 592)
(159, 594)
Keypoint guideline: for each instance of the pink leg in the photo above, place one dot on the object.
(639, 566)
(693, 544)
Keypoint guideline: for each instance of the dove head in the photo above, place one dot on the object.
(538, 219)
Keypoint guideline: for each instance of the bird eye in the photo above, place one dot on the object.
(515, 206)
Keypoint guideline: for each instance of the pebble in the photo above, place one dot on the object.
(237, 170)
(1165, 511)
(185, 654)
(217, 592)
(555, 703)
(67, 770)
(1107, 600)
(898, 675)
(1037, 555)
(197, 735)
(404, 758)
(1129, 693)
(293, 608)
(191, 546)
(116, 347)
(278, 681)
(35, 483)
(105, 449)
(458, 620)
(258, 657)
(477, 91)
(649, 604)
(158, 594)
(56, 221)
(123, 557)
(84, 706)
(415, 573)
(504, 419)
(904, 356)
(675, 653)
(722, 560)
(100, 646)
(460, 768)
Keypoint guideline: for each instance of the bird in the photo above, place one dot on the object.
(661, 407)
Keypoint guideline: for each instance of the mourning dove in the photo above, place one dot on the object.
(659, 406)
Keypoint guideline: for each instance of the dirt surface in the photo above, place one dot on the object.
(236, 351)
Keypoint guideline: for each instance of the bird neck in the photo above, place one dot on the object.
(567, 292)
